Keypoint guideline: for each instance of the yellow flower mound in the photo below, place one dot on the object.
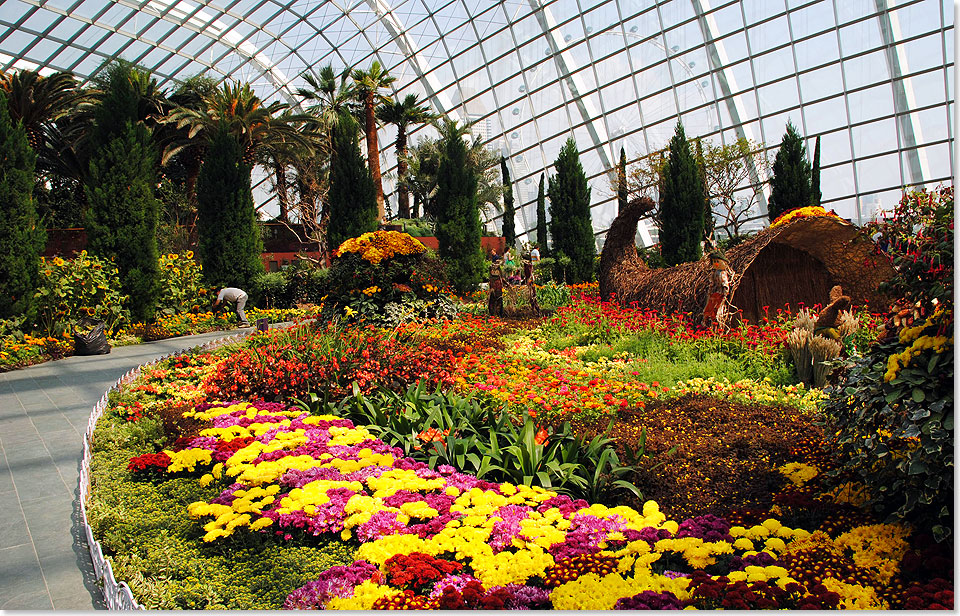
(379, 551)
(799, 473)
(312, 495)
(511, 567)
(878, 547)
(364, 596)
(855, 597)
(697, 552)
(918, 343)
(802, 212)
(379, 245)
(187, 459)
(392, 481)
(270, 471)
(591, 592)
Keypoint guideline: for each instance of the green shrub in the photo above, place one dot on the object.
(458, 215)
(386, 277)
(121, 221)
(681, 217)
(892, 414)
(69, 290)
(306, 283)
(181, 284)
(270, 290)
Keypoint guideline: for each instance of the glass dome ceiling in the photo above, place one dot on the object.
(873, 78)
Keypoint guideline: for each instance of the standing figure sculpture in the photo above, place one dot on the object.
(721, 275)
(531, 287)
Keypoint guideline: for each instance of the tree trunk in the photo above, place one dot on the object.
(373, 153)
(403, 195)
(281, 188)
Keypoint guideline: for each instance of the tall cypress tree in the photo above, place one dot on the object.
(22, 238)
(708, 224)
(352, 198)
(790, 184)
(681, 215)
(622, 182)
(815, 194)
(542, 220)
(121, 220)
(458, 216)
(509, 228)
(229, 243)
(571, 226)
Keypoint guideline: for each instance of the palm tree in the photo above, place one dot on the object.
(368, 85)
(55, 113)
(330, 98)
(402, 114)
(259, 129)
(424, 161)
(176, 145)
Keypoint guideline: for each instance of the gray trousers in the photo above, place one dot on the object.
(241, 315)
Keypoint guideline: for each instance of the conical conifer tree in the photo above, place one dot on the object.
(352, 198)
(681, 215)
(815, 194)
(458, 215)
(622, 182)
(22, 238)
(229, 244)
(571, 226)
(121, 220)
(790, 184)
(509, 228)
(542, 219)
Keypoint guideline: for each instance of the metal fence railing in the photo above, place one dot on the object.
(117, 595)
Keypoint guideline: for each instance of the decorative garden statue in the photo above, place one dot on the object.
(721, 275)
(531, 289)
(828, 321)
(495, 302)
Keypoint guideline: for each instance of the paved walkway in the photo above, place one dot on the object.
(44, 410)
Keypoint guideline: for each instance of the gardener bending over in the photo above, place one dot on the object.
(237, 296)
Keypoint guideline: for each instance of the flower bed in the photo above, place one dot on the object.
(260, 479)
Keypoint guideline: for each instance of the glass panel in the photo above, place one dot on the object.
(867, 69)
(836, 182)
(779, 95)
(834, 147)
(874, 138)
(811, 19)
(774, 65)
(860, 36)
(879, 173)
(769, 35)
(821, 83)
(870, 103)
(817, 51)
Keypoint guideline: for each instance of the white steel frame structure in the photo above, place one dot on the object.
(873, 78)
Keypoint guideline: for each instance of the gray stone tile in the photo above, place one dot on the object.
(17, 429)
(6, 479)
(13, 527)
(50, 422)
(40, 483)
(21, 580)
